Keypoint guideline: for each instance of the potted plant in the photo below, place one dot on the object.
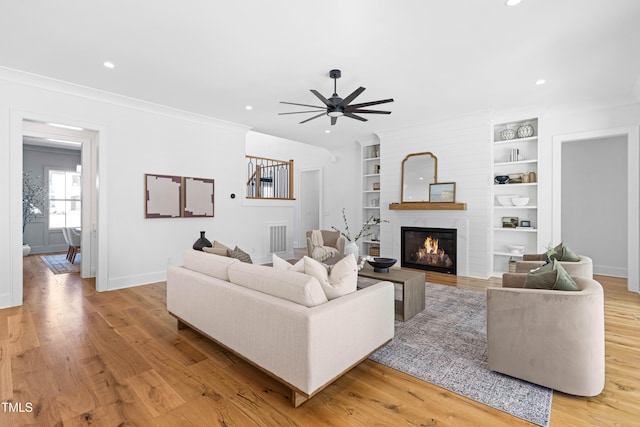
(34, 201)
(365, 231)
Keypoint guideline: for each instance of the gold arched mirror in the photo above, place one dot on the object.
(418, 171)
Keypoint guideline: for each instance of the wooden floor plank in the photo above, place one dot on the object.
(84, 358)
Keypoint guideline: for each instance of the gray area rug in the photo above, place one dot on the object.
(58, 263)
(446, 345)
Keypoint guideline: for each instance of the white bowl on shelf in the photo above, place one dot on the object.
(516, 249)
(520, 201)
(505, 200)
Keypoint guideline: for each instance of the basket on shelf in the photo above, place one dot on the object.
(374, 251)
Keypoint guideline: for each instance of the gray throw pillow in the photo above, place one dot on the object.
(238, 253)
(563, 253)
(550, 276)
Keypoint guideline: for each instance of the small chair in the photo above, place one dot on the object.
(581, 268)
(332, 242)
(75, 238)
(68, 242)
(551, 338)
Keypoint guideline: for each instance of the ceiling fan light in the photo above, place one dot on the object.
(335, 114)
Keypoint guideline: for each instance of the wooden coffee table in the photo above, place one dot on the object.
(412, 289)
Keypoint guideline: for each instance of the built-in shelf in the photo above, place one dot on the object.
(428, 206)
(515, 207)
(508, 254)
(518, 184)
(517, 229)
(519, 162)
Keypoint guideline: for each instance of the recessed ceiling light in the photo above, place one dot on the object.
(108, 64)
(248, 107)
(58, 125)
(540, 82)
(512, 2)
(327, 131)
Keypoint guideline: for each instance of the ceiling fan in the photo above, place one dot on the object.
(335, 106)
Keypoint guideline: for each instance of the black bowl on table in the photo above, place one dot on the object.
(381, 265)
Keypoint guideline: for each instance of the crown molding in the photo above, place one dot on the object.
(72, 89)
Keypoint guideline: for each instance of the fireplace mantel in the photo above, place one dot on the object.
(428, 206)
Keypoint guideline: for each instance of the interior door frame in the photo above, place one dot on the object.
(632, 136)
(301, 232)
(95, 161)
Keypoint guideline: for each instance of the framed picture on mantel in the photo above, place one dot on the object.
(442, 192)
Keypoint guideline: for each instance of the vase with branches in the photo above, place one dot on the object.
(364, 232)
(34, 198)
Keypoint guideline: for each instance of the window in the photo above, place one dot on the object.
(64, 199)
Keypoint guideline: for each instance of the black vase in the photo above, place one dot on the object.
(202, 242)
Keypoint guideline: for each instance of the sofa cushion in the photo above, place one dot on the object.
(337, 280)
(290, 285)
(210, 264)
(282, 264)
(550, 276)
(238, 253)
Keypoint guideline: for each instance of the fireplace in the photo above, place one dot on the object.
(432, 249)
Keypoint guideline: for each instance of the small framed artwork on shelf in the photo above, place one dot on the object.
(442, 192)
(376, 185)
(509, 222)
(525, 223)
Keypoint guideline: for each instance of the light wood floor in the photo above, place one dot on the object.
(116, 359)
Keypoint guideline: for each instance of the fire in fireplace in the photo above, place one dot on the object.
(431, 249)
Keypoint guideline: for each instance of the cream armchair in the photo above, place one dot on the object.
(551, 338)
(331, 239)
(582, 268)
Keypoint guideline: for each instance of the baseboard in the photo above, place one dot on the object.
(5, 300)
(607, 270)
(137, 280)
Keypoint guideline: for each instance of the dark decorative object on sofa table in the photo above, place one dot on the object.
(202, 242)
(381, 265)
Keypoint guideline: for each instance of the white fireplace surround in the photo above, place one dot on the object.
(434, 221)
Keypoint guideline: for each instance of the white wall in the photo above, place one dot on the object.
(134, 138)
(594, 202)
(305, 157)
(462, 146)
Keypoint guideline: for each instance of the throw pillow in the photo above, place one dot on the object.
(550, 276)
(216, 250)
(238, 253)
(281, 264)
(337, 280)
(217, 244)
(563, 253)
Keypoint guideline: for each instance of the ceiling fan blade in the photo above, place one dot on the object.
(353, 96)
(301, 105)
(314, 117)
(367, 111)
(353, 116)
(300, 112)
(367, 104)
(322, 98)
(334, 120)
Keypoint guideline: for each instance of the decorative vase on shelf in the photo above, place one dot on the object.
(507, 134)
(202, 242)
(352, 248)
(525, 131)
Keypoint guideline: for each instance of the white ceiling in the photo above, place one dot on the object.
(436, 58)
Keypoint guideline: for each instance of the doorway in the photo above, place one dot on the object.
(93, 160)
(618, 191)
(310, 197)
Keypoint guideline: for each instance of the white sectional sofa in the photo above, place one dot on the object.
(280, 321)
